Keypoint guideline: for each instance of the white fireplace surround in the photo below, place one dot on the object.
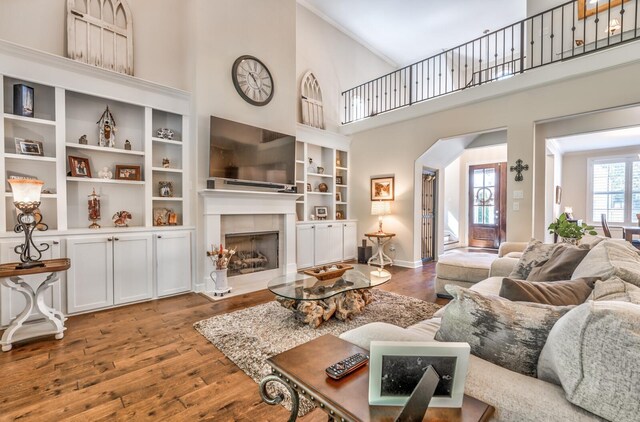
(274, 209)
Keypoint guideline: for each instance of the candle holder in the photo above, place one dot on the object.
(26, 198)
(94, 209)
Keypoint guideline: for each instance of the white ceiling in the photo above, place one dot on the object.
(406, 31)
(618, 138)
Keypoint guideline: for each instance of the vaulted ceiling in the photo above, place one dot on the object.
(405, 31)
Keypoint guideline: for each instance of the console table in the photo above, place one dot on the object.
(53, 322)
(301, 372)
(379, 257)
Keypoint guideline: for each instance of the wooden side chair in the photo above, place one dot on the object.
(607, 231)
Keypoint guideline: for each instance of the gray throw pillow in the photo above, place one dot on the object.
(609, 258)
(557, 293)
(508, 334)
(535, 253)
(594, 353)
(560, 265)
(616, 288)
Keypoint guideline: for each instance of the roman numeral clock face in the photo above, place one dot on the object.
(252, 80)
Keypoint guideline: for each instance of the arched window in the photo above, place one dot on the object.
(100, 33)
(311, 101)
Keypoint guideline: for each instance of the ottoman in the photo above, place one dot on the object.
(462, 269)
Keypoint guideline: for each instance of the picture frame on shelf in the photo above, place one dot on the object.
(339, 215)
(339, 180)
(321, 212)
(382, 188)
(338, 196)
(396, 367)
(29, 147)
(309, 187)
(23, 100)
(128, 172)
(79, 166)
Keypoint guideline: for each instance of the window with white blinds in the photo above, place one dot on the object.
(615, 189)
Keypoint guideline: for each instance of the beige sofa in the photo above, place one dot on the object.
(516, 397)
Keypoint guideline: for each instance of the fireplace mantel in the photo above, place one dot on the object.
(223, 202)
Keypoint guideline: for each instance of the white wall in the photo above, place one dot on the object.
(160, 34)
(338, 62)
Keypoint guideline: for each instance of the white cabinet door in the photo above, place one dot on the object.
(90, 278)
(173, 262)
(12, 302)
(335, 243)
(350, 241)
(322, 244)
(132, 268)
(305, 246)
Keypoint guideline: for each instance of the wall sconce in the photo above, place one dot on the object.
(380, 208)
(26, 198)
(614, 25)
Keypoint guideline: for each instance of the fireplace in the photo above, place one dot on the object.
(255, 252)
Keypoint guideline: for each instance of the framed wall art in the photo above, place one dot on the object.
(321, 212)
(588, 8)
(396, 367)
(382, 188)
(79, 166)
(23, 99)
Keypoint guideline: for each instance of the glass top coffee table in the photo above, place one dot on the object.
(314, 301)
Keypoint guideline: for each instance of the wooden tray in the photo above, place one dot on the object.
(315, 272)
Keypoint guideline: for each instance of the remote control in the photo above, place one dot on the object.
(346, 366)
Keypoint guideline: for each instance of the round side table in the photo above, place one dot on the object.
(379, 257)
(53, 322)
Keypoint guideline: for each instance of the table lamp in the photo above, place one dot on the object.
(380, 208)
(26, 198)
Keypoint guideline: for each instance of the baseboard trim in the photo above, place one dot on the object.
(407, 264)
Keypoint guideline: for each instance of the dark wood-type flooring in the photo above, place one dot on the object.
(146, 362)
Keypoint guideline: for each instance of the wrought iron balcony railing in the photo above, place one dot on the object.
(570, 30)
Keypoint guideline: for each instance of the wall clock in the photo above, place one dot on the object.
(252, 80)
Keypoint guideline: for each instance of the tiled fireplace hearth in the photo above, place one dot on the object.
(262, 225)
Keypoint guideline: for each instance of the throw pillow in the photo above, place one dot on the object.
(594, 353)
(535, 253)
(509, 334)
(558, 293)
(611, 258)
(560, 265)
(616, 289)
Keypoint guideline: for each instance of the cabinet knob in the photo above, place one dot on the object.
(116, 238)
(159, 237)
(109, 239)
(55, 242)
(330, 225)
(313, 227)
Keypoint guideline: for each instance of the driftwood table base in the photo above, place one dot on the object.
(341, 306)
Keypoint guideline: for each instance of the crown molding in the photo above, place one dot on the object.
(330, 21)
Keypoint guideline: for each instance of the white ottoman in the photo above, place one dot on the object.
(462, 269)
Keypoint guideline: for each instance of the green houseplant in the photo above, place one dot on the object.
(569, 231)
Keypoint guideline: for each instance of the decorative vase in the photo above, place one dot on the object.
(571, 240)
(219, 279)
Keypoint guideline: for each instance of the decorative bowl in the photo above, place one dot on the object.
(325, 272)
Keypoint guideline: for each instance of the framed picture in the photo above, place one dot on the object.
(128, 172)
(588, 8)
(79, 166)
(338, 196)
(382, 188)
(23, 99)
(321, 212)
(339, 215)
(396, 367)
(339, 180)
(28, 147)
(308, 187)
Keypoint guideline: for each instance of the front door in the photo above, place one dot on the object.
(487, 205)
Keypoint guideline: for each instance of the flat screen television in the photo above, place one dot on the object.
(247, 153)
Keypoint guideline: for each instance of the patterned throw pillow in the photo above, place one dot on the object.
(616, 288)
(535, 254)
(508, 334)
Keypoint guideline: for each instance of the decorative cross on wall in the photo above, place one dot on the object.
(519, 168)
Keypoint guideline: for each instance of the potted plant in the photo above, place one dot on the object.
(570, 231)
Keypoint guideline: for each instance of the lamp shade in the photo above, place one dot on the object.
(26, 190)
(380, 208)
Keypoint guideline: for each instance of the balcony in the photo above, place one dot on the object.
(573, 29)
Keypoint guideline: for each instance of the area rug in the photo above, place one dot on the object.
(249, 336)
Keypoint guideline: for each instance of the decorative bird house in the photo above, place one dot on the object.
(107, 128)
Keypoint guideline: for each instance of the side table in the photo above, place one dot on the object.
(53, 322)
(379, 257)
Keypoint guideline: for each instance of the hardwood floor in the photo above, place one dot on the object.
(146, 362)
